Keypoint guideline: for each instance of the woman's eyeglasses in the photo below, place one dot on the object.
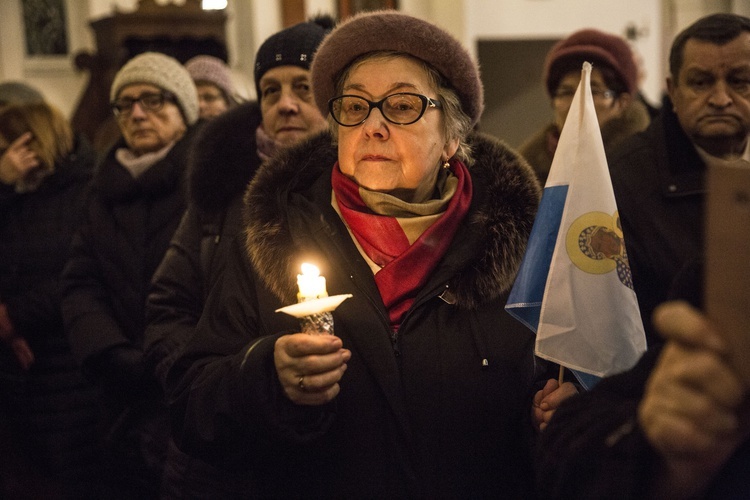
(598, 95)
(403, 108)
(149, 102)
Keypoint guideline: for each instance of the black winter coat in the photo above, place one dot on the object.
(223, 159)
(444, 412)
(594, 448)
(126, 231)
(51, 408)
(658, 180)
(129, 222)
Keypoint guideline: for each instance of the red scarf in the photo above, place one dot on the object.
(405, 267)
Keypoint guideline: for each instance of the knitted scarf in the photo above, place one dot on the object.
(407, 240)
(136, 165)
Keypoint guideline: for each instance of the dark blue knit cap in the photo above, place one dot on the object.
(293, 46)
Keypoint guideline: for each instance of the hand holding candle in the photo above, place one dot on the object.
(314, 305)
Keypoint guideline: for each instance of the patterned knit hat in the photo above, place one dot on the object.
(595, 47)
(164, 72)
(212, 70)
(388, 30)
(293, 46)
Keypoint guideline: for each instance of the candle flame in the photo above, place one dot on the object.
(310, 270)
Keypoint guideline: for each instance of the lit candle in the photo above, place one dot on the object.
(311, 284)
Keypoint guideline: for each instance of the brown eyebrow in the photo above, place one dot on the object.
(395, 86)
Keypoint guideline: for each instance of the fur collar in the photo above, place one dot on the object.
(506, 196)
(224, 157)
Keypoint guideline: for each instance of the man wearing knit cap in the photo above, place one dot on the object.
(613, 85)
(213, 80)
(282, 82)
(135, 206)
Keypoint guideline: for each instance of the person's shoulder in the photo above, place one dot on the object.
(634, 148)
(246, 116)
(495, 155)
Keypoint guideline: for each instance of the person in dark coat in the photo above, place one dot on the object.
(136, 203)
(225, 155)
(658, 176)
(614, 86)
(48, 411)
(426, 388)
(675, 426)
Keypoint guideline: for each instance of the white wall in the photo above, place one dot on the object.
(54, 76)
(509, 19)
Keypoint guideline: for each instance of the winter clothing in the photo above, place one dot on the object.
(129, 222)
(595, 47)
(48, 411)
(293, 46)
(212, 70)
(440, 410)
(602, 423)
(393, 31)
(218, 176)
(539, 149)
(658, 180)
(164, 72)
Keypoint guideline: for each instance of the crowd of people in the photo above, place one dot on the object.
(142, 351)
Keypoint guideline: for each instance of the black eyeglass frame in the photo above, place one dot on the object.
(164, 96)
(427, 102)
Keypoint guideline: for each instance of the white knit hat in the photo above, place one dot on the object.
(164, 72)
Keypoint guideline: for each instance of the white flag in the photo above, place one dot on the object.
(574, 287)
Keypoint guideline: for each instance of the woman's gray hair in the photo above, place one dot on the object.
(456, 123)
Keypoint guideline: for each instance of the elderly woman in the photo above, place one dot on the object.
(614, 86)
(136, 203)
(47, 410)
(426, 388)
(213, 80)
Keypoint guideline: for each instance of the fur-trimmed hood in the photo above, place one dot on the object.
(506, 196)
(224, 157)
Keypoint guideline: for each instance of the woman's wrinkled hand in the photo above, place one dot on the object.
(17, 160)
(548, 400)
(310, 367)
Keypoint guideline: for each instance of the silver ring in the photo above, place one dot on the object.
(301, 383)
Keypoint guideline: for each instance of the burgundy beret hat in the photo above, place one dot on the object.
(388, 30)
(595, 47)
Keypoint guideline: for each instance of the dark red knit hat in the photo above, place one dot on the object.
(595, 47)
(388, 30)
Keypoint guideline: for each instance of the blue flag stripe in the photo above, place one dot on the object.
(525, 300)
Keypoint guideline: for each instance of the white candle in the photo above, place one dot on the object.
(311, 284)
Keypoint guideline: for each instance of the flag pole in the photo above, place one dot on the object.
(560, 375)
